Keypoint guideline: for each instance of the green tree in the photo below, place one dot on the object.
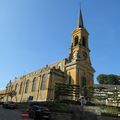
(112, 79)
(108, 79)
(102, 79)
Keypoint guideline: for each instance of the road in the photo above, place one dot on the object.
(7, 114)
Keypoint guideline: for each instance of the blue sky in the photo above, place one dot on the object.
(34, 33)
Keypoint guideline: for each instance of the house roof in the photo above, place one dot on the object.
(107, 86)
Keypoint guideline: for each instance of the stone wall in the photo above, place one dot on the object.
(80, 116)
(106, 118)
(61, 116)
(73, 116)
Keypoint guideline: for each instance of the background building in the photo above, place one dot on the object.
(107, 94)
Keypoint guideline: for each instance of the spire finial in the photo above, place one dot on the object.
(80, 4)
(80, 19)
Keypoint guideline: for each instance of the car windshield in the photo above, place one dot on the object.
(36, 107)
(39, 107)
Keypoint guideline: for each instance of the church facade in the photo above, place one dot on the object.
(76, 69)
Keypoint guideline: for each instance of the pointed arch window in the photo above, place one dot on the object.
(43, 83)
(26, 87)
(34, 84)
(76, 40)
(83, 82)
(16, 87)
(83, 42)
(20, 90)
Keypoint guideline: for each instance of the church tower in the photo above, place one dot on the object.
(79, 70)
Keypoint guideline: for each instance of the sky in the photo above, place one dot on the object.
(34, 33)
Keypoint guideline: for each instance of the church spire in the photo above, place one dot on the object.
(80, 20)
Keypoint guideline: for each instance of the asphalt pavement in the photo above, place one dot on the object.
(8, 114)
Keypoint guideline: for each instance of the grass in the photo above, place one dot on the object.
(110, 111)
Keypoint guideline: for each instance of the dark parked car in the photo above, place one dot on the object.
(9, 105)
(39, 112)
(1, 103)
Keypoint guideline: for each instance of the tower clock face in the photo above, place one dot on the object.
(84, 55)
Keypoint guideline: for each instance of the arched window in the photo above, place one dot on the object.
(26, 87)
(34, 84)
(76, 40)
(16, 86)
(20, 88)
(83, 42)
(83, 82)
(43, 84)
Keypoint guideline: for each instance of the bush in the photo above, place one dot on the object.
(110, 111)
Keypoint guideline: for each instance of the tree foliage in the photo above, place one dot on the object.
(108, 79)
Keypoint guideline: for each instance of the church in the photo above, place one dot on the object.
(76, 69)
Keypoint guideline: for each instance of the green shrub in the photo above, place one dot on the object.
(110, 111)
